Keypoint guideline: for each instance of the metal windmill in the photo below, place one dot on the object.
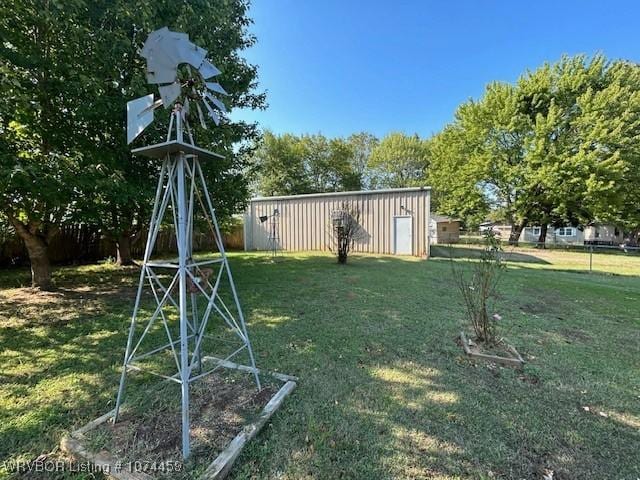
(181, 190)
(274, 238)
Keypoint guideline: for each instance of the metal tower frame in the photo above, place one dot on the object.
(178, 186)
(274, 238)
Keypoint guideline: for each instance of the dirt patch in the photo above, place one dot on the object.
(543, 303)
(149, 428)
(500, 349)
(29, 307)
(573, 335)
(533, 308)
(498, 352)
(529, 379)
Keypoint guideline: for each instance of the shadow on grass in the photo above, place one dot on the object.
(441, 251)
(384, 390)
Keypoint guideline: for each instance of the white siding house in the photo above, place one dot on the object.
(603, 234)
(555, 236)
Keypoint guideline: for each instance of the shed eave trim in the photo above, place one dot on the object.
(341, 194)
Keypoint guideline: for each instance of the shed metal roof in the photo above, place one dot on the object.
(443, 218)
(341, 194)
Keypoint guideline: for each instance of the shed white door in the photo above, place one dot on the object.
(402, 235)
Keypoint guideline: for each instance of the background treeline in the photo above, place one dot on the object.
(289, 164)
(559, 146)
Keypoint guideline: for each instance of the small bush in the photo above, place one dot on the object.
(345, 230)
(479, 288)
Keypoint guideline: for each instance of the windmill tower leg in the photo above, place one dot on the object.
(147, 254)
(225, 261)
(183, 252)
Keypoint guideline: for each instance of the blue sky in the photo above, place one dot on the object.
(339, 67)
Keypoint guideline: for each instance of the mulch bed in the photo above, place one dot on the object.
(149, 428)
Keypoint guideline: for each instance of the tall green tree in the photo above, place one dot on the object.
(288, 164)
(69, 69)
(363, 144)
(555, 148)
(329, 164)
(456, 189)
(610, 140)
(42, 174)
(399, 160)
(279, 163)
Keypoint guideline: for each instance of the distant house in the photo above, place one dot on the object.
(596, 234)
(565, 235)
(603, 234)
(485, 226)
(443, 229)
(503, 231)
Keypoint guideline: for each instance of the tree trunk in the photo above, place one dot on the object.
(633, 237)
(123, 247)
(37, 249)
(543, 236)
(516, 230)
(40, 264)
(38, 256)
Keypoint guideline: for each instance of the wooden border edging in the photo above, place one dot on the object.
(218, 469)
(516, 361)
(110, 465)
(224, 461)
(246, 368)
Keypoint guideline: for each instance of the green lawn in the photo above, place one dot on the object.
(384, 390)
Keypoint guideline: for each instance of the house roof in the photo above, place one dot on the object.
(442, 218)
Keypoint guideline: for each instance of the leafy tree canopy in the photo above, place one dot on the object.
(557, 147)
(399, 161)
(289, 164)
(67, 71)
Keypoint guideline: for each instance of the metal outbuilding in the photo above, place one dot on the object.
(392, 221)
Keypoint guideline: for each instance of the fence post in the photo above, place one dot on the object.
(590, 258)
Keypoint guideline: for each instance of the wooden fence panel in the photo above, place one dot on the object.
(85, 244)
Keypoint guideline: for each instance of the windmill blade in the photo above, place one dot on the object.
(139, 115)
(216, 87)
(212, 113)
(162, 75)
(152, 40)
(161, 67)
(164, 51)
(201, 116)
(208, 70)
(191, 54)
(216, 102)
(169, 93)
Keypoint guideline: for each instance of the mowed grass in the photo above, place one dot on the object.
(384, 390)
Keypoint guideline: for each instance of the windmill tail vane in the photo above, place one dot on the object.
(165, 51)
